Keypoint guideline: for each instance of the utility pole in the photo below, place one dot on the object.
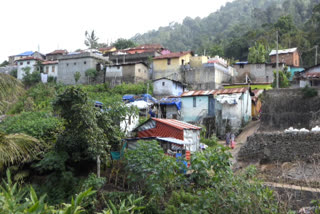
(316, 57)
(277, 63)
(147, 109)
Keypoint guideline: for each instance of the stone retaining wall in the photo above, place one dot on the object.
(280, 147)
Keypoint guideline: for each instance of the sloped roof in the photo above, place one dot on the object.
(57, 52)
(27, 53)
(197, 93)
(29, 58)
(49, 62)
(173, 55)
(106, 48)
(230, 91)
(177, 124)
(313, 75)
(150, 46)
(285, 51)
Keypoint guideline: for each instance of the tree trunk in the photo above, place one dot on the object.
(98, 166)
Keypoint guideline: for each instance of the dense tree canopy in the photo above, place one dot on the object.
(240, 24)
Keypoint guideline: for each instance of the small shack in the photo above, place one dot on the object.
(196, 105)
(170, 128)
(232, 109)
(169, 108)
(167, 87)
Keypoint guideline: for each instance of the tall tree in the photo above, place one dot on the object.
(91, 40)
(123, 43)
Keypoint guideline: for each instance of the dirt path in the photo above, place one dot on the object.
(241, 139)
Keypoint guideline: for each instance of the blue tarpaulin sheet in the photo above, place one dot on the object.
(128, 97)
(171, 101)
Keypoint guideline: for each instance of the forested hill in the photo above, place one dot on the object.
(239, 25)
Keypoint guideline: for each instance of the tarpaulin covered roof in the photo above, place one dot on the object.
(230, 99)
(27, 53)
(285, 51)
(128, 97)
(171, 101)
(140, 104)
(230, 91)
(174, 140)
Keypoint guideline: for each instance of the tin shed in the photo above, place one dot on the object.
(156, 127)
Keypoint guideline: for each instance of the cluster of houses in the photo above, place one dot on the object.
(189, 90)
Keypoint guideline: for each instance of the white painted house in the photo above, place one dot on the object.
(26, 63)
(167, 87)
(50, 68)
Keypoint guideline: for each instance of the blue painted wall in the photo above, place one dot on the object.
(293, 70)
(190, 113)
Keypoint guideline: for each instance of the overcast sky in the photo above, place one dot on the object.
(53, 24)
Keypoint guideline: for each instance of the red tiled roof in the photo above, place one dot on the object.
(58, 52)
(173, 55)
(313, 75)
(29, 58)
(49, 62)
(197, 93)
(230, 91)
(177, 124)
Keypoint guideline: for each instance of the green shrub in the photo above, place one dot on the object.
(41, 125)
(309, 92)
(52, 79)
(93, 182)
(30, 79)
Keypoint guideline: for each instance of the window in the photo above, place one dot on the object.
(75, 63)
(163, 83)
(84, 62)
(168, 61)
(267, 78)
(47, 69)
(53, 67)
(129, 120)
(241, 65)
(176, 85)
(139, 70)
(28, 62)
(21, 63)
(67, 64)
(145, 71)
(182, 62)
(194, 102)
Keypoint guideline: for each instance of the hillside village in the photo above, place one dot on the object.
(195, 94)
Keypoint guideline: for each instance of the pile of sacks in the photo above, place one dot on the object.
(291, 129)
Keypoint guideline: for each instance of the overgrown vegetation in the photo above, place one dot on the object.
(309, 92)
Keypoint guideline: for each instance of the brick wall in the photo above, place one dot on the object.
(291, 59)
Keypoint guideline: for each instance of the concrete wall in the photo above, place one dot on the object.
(284, 108)
(141, 73)
(256, 72)
(8, 69)
(70, 64)
(197, 61)
(165, 87)
(280, 147)
(24, 64)
(190, 113)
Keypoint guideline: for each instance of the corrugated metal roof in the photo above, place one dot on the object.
(58, 52)
(197, 93)
(285, 51)
(49, 62)
(313, 75)
(174, 140)
(230, 91)
(29, 58)
(177, 124)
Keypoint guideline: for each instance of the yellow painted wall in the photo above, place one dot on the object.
(162, 64)
(197, 61)
(111, 50)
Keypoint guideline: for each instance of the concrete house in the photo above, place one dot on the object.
(52, 56)
(50, 68)
(27, 63)
(167, 87)
(134, 72)
(309, 77)
(289, 57)
(35, 54)
(257, 73)
(169, 128)
(170, 65)
(80, 62)
(232, 109)
(196, 105)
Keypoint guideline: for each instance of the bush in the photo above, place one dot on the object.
(14, 73)
(283, 79)
(93, 182)
(309, 92)
(52, 79)
(30, 79)
(41, 125)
